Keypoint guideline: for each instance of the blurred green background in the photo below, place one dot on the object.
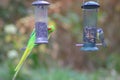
(60, 59)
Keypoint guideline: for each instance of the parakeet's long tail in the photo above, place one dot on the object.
(26, 53)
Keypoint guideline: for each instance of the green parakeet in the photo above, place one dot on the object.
(31, 44)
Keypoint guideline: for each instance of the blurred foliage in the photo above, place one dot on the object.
(55, 73)
(17, 22)
(14, 10)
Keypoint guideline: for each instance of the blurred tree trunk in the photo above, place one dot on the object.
(68, 53)
(112, 24)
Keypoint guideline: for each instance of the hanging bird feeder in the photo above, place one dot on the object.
(41, 21)
(90, 30)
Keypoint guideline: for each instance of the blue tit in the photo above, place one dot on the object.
(100, 36)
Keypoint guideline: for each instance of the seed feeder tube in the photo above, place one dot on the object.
(41, 21)
(90, 12)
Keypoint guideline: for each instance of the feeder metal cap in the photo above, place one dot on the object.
(40, 2)
(90, 5)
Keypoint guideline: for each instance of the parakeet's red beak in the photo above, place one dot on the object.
(49, 28)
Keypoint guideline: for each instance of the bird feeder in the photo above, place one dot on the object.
(90, 11)
(41, 21)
